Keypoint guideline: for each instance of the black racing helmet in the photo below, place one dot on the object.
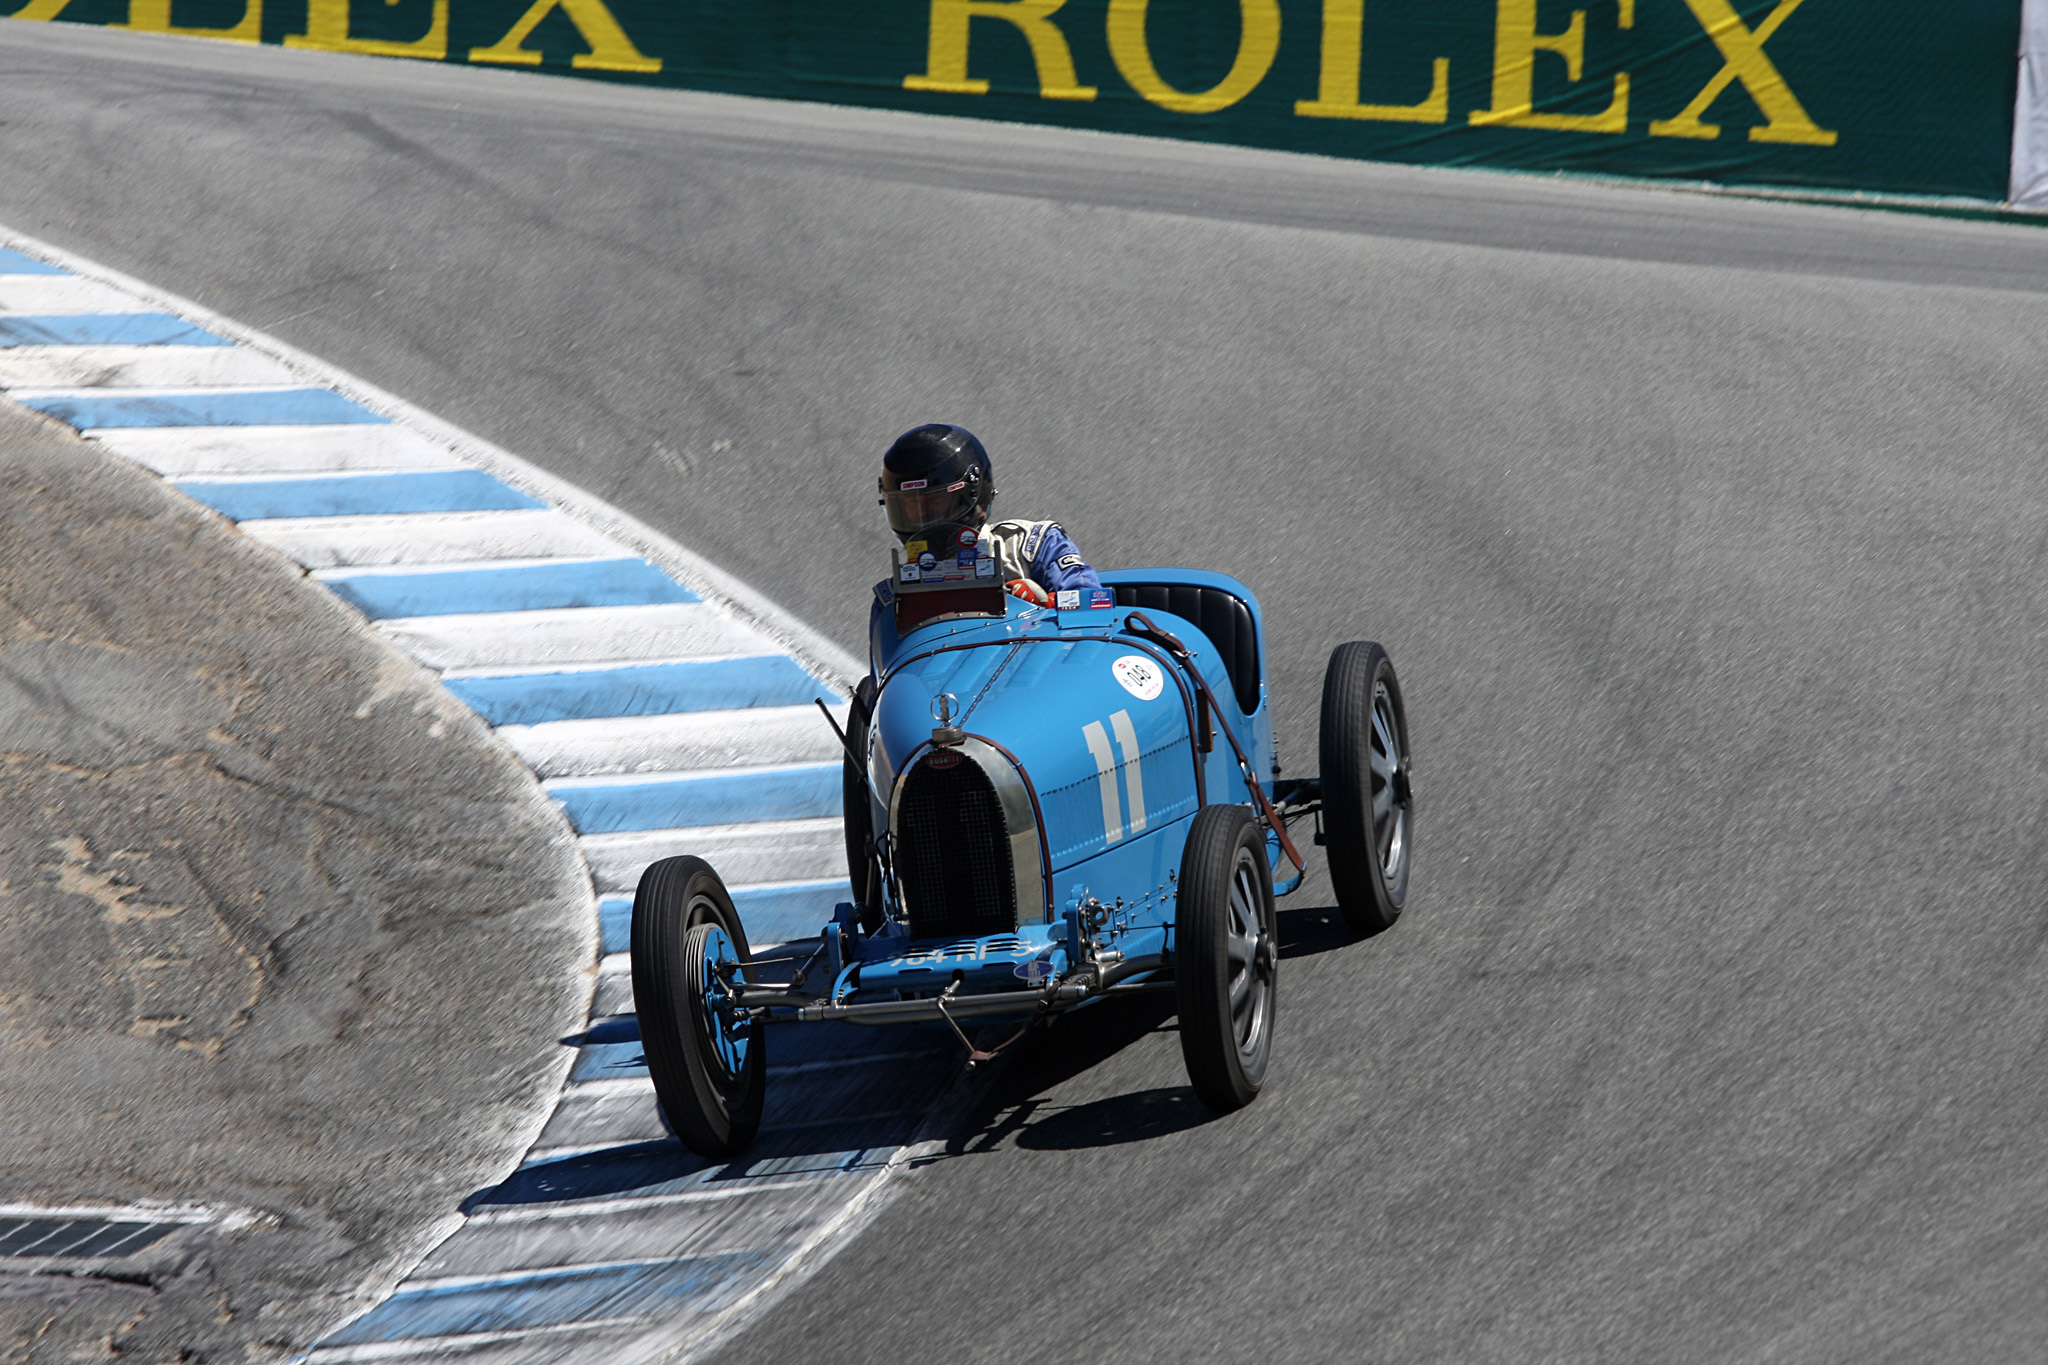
(936, 481)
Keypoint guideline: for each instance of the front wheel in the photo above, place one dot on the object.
(863, 869)
(1225, 954)
(708, 1057)
(1368, 802)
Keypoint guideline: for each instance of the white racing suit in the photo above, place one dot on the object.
(1039, 551)
(1034, 550)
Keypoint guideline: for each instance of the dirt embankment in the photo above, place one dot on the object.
(285, 932)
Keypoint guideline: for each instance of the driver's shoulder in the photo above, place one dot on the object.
(1019, 530)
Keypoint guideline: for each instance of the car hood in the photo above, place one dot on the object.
(1098, 727)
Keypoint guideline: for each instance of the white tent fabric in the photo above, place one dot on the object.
(2029, 189)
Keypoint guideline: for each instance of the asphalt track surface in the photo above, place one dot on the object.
(1707, 535)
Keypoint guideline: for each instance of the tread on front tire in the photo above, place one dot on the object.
(1368, 801)
(863, 871)
(711, 1095)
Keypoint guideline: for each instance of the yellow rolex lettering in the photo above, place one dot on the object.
(1258, 40)
(1337, 90)
(610, 48)
(945, 63)
(327, 30)
(154, 16)
(1743, 59)
(40, 11)
(1515, 45)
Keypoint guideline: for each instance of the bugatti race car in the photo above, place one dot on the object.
(1046, 807)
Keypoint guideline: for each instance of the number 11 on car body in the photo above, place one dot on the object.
(1106, 767)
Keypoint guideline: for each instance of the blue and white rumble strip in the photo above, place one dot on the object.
(662, 706)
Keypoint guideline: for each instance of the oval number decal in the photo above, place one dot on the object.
(1140, 676)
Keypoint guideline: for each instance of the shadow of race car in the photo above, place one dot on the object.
(1046, 807)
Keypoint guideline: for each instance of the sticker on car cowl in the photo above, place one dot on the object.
(1139, 676)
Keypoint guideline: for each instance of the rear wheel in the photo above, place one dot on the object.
(708, 1057)
(1368, 801)
(1224, 956)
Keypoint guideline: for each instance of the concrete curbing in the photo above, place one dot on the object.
(290, 935)
(820, 654)
(661, 703)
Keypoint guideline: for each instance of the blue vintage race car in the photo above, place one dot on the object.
(1045, 807)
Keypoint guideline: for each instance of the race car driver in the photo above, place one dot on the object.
(938, 486)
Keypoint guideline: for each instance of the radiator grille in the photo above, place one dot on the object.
(953, 851)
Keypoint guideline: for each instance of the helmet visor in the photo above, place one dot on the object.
(914, 510)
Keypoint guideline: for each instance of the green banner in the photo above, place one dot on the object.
(1871, 95)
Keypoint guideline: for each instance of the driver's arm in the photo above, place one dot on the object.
(1058, 564)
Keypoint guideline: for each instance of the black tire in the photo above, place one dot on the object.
(863, 870)
(1368, 799)
(713, 1105)
(1224, 943)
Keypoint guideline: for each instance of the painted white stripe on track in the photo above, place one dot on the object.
(573, 635)
(616, 552)
(628, 781)
(611, 1085)
(179, 451)
(137, 1213)
(770, 851)
(652, 1131)
(126, 367)
(29, 394)
(431, 538)
(337, 477)
(626, 745)
(609, 664)
(536, 1213)
(472, 1349)
(652, 1233)
(52, 295)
